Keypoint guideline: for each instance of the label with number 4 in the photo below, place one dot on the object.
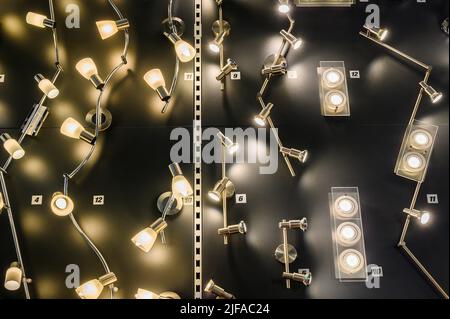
(98, 200)
(241, 199)
(36, 200)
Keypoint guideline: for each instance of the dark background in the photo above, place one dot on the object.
(130, 166)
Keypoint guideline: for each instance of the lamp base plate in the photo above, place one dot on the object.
(179, 24)
(105, 122)
(216, 27)
(292, 253)
(268, 62)
(177, 206)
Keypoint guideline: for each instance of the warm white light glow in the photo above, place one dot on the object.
(346, 206)
(214, 47)
(414, 162)
(90, 290)
(184, 50)
(72, 128)
(145, 294)
(284, 8)
(333, 78)
(181, 186)
(87, 68)
(107, 28)
(421, 139)
(214, 196)
(348, 234)
(351, 261)
(61, 205)
(13, 278)
(155, 79)
(36, 19)
(259, 121)
(14, 149)
(48, 88)
(233, 148)
(145, 239)
(425, 218)
(2, 202)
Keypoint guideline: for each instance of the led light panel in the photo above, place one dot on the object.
(334, 98)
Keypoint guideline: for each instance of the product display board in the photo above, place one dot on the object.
(258, 225)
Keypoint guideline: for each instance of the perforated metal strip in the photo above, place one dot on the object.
(198, 151)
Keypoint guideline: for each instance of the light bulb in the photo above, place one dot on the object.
(145, 294)
(38, 20)
(107, 28)
(414, 162)
(61, 205)
(184, 50)
(333, 78)
(284, 8)
(87, 68)
(155, 79)
(13, 277)
(181, 186)
(421, 139)
(214, 196)
(346, 206)
(90, 290)
(425, 218)
(351, 261)
(46, 86)
(348, 234)
(13, 147)
(214, 47)
(382, 34)
(145, 239)
(72, 128)
(259, 121)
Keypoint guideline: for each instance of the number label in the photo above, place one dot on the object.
(189, 76)
(188, 201)
(98, 200)
(36, 200)
(433, 199)
(2, 78)
(355, 74)
(292, 75)
(241, 199)
(236, 75)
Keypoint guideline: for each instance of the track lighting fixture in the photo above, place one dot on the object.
(155, 80)
(145, 239)
(380, 33)
(295, 42)
(13, 277)
(61, 204)
(301, 156)
(87, 68)
(145, 294)
(240, 228)
(261, 118)
(184, 50)
(224, 185)
(73, 129)
(227, 69)
(220, 293)
(93, 288)
(39, 20)
(46, 86)
(108, 28)
(333, 89)
(11, 145)
(305, 277)
(431, 92)
(284, 6)
(422, 216)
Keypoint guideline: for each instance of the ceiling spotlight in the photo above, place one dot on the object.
(348, 234)
(423, 217)
(346, 207)
(145, 294)
(12, 146)
(13, 278)
(219, 188)
(93, 288)
(421, 139)
(61, 204)
(305, 278)
(380, 33)
(240, 228)
(335, 100)
(284, 6)
(155, 80)
(293, 40)
(432, 93)
(147, 237)
(46, 86)
(351, 261)
(73, 129)
(295, 224)
(228, 143)
(302, 156)
(227, 69)
(212, 288)
(184, 50)
(180, 185)
(414, 162)
(333, 78)
(39, 20)
(87, 68)
(108, 28)
(261, 118)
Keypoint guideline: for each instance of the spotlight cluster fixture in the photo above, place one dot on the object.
(276, 65)
(287, 254)
(334, 96)
(221, 29)
(174, 28)
(416, 149)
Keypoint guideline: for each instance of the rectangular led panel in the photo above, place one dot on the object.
(324, 3)
(334, 97)
(348, 234)
(415, 154)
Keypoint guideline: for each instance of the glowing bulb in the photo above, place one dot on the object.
(87, 68)
(48, 88)
(346, 205)
(421, 139)
(284, 8)
(145, 239)
(36, 19)
(145, 294)
(215, 196)
(348, 232)
(352, 260)
(107, 28)
(233, 148)
(13, 278)
(259, 121)
(61, 205)
(214, 47)
(155, 79)
(72, 128)
(333, 78)
(12, 147)
(425, 218)
(414, 161)
(336, 99)
(184, 50)
(90, 290)
(181, 186)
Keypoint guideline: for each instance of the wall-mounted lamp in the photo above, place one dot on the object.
(61, 205)
(284, 6)
(184, 50)
(87, 68)
(46, 86)
(13, 277)
(11, 145)
(224, 185)
(227, 69)
(431, 92)
(261, 118)
(286, 253)
(422, 216)
(93, 288)
(145, 239)
(380, 33)
(304, 277)
(295, 42)
(73, 129)
(155, 80)
(218, 291)
(146, 294)
(39, 20)
(301, 156)
(108, 28)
